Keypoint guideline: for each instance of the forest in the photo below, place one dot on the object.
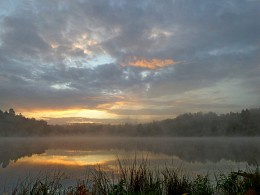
(244, 123)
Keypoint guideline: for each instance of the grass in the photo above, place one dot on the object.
(44, 184)
(137, 178)
(239, 183)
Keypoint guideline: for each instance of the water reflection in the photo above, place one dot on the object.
(86, 151)
(22, 156)
(70, 158)
(11, 149)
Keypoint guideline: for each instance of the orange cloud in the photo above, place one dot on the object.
(150, 64)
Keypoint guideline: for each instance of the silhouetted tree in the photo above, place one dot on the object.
(11, 112)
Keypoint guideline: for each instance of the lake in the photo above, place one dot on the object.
(21, 158)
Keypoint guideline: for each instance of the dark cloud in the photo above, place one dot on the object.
(21, 37)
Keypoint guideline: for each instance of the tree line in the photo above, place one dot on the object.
(244, 123)
(12, 124)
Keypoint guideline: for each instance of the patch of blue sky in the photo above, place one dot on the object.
(101, 60)
(92, 62)
(6, 7)
(62, 86)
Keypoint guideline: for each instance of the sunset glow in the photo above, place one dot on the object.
(80, 113)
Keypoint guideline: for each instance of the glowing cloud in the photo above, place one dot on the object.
(150, 63)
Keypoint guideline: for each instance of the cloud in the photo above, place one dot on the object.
(149, 64)
(52, 53)
(21, 37)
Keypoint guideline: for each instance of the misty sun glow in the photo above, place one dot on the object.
(86, 113)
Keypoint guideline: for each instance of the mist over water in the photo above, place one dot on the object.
(189, 149)
(74, 155)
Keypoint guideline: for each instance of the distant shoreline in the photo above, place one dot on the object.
(243, 124)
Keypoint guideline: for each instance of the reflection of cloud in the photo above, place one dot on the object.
(150, 64)
(69, 158)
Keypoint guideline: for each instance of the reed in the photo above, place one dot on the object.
(138, 178)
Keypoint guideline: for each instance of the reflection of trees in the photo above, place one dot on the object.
(188, 149)
(210, 149)
(11, 149)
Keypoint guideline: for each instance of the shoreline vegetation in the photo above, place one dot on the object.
(245, 123)
(139, 178)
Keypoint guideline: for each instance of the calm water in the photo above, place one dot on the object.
(28, 157)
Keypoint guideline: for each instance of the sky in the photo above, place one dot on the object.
(116, 61)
